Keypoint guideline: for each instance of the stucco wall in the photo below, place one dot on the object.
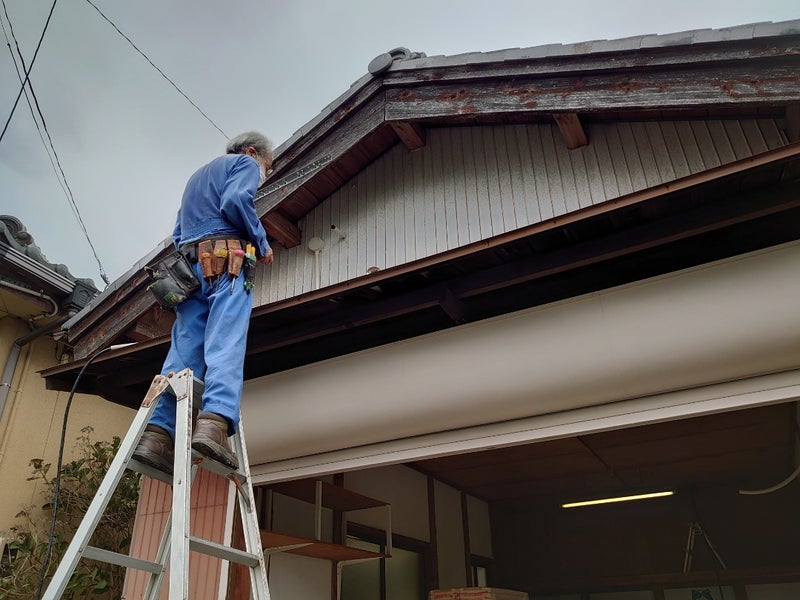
(31, 423)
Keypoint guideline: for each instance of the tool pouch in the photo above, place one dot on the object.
(235, 258)
(206, 258)
(220, 257)
(249, 274)
(173, 280)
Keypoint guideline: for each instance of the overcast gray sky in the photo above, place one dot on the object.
(128, 141)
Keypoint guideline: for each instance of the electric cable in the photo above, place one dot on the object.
(180, 91)
(57, 487)
(30, 84)
(28, 71)
(65, 185)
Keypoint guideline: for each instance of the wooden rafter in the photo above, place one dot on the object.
(793, 122)
(281, 229)
(411, 134)
(571, 130)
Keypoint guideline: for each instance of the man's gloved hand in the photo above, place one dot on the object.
(267, 258)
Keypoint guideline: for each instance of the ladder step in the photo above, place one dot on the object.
(204, 463)
(122, 560)
(138, 467)
(224, 552)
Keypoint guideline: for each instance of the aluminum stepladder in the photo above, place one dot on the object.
(176, 541)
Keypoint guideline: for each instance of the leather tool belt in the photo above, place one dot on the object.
(217, 255)
(173, 280)
(190, 250)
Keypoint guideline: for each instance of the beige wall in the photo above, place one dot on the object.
(31, 423)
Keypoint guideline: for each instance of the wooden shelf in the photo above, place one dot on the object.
(280, 542)
(321, 495)
(333, 496)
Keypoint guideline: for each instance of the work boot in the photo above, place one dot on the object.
(210, 439)
(155, 449)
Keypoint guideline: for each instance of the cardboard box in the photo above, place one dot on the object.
(477, 593)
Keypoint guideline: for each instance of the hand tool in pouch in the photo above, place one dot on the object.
(220, 256)
(204, 254)
(235, 259)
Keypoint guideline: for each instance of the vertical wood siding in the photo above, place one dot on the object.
(207, 521)
(472, 183)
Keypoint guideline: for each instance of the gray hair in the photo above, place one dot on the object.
(241, 142)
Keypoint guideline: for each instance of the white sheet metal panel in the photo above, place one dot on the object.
(730, 320)
(472, 183)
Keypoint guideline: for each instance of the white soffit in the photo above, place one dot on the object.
(746, 393)
(735, 319)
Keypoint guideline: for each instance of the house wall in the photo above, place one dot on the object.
(31, 423)
(472, 183)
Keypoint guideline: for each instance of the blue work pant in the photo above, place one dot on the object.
(210, 337)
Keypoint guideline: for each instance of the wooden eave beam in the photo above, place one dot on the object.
(571, 130)
(749, 85)
(281, 229)
(411, 134)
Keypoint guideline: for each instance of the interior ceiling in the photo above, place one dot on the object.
(748, 449)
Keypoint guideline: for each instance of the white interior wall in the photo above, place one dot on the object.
(296, 517)
(294, 577)
(480, 531)
(449, 537)
(405, 489)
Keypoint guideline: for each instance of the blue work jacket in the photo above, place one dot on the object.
(218, 200)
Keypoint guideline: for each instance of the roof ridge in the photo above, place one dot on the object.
(402, 61)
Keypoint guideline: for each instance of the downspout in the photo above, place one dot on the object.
(16, 347)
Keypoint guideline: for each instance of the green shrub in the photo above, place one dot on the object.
(80, 479)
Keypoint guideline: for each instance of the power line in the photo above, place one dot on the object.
(110, 22)
(27, 96)
(65, 184)
(28, 71)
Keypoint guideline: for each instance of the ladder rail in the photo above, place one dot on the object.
(181, 490)
(176, 541)
(259, 587)
(102, 497)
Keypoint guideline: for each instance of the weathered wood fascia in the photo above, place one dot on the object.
(112, 311)
(290, 159)
(114, 323)
(625, 61)
(107, 305)
(718, 87)
(364, 120)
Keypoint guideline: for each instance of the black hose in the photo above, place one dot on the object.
(51, 536)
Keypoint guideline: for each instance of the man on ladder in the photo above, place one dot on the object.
(219, 233)
(219, 237)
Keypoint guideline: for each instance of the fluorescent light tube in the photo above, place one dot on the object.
(617, 499)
